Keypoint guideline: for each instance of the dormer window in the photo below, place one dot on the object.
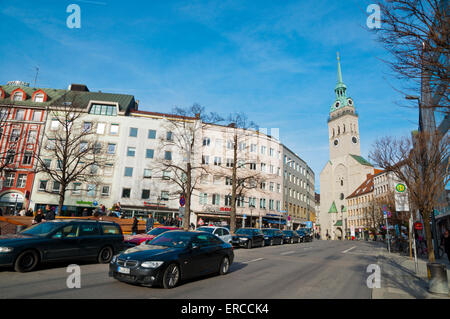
(103, 109)
(39, 97)
(18, 96)
(2, 94)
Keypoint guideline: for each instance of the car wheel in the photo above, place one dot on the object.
(271, 242)
(105, 255)
(263, 243)
(249, 244)
(171, 276)
(292, 241)
(26, 261)
(224, 266)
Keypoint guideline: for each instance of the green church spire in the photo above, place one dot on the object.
(340, 90)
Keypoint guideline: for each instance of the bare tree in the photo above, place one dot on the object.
(417, 34)
(74, 145)
(421, 162)
(374, 213)
(183, 132)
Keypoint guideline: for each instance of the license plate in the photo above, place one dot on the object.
(123, 270)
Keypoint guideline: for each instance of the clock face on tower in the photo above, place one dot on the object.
(337, 104)
(336, 142)
(354, 140)
(350, 102)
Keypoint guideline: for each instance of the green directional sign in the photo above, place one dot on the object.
(400, 188)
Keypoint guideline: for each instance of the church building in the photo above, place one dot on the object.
(346, 169)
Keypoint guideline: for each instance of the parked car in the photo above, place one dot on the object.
(172, 257)
(291, 237)
(140, 238)
(304, 234)
(248, 237)
(273, 236)
(60, 241)
(221, 232)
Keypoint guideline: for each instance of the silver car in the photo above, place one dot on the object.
(221, 232)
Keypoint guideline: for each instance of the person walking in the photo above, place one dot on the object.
(149, 223)
(134, 228)
(85, 212)
(49, 213)
(39, 217)
(446, 242)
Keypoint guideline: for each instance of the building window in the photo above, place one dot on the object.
(105, 190)
(203, 199)
(108, 170)
(114, 129)
(147, 173)
(133, 132)
(168, 155)
(217, 161)
(229, 162)
(18, 96)
(97, 148)
(56, 187)
(216, 199)
(42, 185)
(27, 158)
(149, 153)
(111, 148)
(263, 150)
(164, 195)
(252, 166)
(102, 109)
(166, 175)
(10, 157)
(126, 192)
(94, 169)
(15, 135)
(20, 115)
(253, 148)
(262, 203)
(145, 194)
(206, 141)
(271, 206)
(131, 151)
(205, 159)
(169, 136)
(39, 97)
(128, 171)
(227, 200)
(151, 134)
(21, 180)
(31, 138)
(101, 128)
(76, 189)
(228, 181)
(87, 127)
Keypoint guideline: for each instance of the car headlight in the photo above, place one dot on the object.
(266, 237)
(243, 239)
(5, 249)
(152, 264)
(114, 259)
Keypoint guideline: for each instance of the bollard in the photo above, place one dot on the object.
(437, 273)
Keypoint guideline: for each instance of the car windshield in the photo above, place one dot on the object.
(157, 231)
(244, 231)
(41, 229)
(206, 229)
(287, 232)
(173, 239)
(268, 231)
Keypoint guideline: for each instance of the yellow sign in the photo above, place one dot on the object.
(400, 188)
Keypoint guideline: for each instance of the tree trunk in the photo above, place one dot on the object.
(187, 209)
(429, 237)
(61, 200)
(234, 183)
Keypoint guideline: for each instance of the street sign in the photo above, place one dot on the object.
(418, 226)
(401, 188)
(308, 224)
(182, 201)
(201, 222)
(389, 214)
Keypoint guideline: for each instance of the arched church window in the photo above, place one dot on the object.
(339, 130)
(342, 182)
(344, 128)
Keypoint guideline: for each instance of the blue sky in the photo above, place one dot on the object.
(273, 60)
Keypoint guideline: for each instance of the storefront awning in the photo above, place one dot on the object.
(274, 220)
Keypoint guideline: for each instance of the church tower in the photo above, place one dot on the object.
(343, 122)
(346, 169)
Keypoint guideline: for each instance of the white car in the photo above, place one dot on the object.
(221, 232)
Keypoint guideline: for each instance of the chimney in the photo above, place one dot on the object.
(78, 87)
(136, 104)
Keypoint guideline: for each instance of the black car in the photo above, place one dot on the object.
(171, 257)
(291, 237)
(304, 234)
(59, 241)
(273, 236)
(248, 237)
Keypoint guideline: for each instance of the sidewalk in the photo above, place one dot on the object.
(400, 281)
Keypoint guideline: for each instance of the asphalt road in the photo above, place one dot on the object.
(320, 269)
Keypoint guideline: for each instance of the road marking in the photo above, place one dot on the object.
(251, 261)
(287, 252)
(346, 251)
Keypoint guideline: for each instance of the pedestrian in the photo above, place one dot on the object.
(149, 223)
(134, 228)
(49, 213)
(85, 212)
(192, 226)
(446, 242)
(39, 217)
(22, 212)
(164, 221)
(29, 213)
(1, 212)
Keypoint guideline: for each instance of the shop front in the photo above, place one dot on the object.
(11, 202)
(158, 211)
